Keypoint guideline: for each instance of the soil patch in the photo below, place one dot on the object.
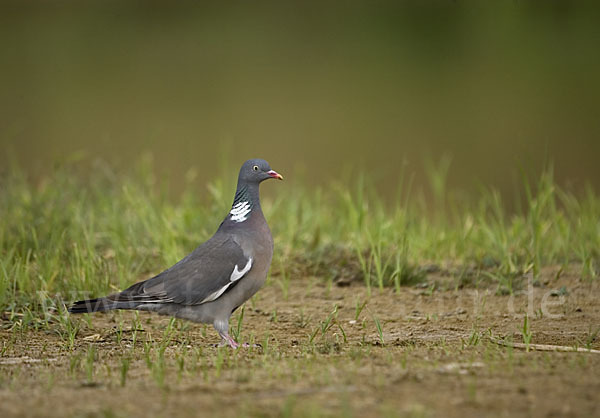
(420, 352)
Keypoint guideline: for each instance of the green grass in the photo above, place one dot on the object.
(65, 238)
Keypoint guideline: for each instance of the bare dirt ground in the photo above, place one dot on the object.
(432, 357)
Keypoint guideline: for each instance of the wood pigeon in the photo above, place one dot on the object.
(217, 277)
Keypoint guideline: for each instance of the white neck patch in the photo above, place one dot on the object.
(240, 211)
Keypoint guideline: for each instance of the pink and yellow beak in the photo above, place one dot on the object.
(274, 174)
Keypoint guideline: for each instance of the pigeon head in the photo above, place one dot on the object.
(257, 170)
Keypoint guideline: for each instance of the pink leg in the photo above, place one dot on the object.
(227, 340)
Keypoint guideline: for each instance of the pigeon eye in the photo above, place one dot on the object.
(255, 168)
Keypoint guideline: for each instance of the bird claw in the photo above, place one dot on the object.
(226, 340)
(230, 342)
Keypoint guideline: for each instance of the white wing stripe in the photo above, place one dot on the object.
(235, 276)
(167, 300)
(215, 295)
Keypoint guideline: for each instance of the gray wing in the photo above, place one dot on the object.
(202, 276)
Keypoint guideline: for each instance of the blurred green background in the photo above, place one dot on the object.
(319, 88)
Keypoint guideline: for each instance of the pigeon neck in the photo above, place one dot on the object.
(246, 201)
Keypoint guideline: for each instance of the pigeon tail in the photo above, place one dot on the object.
(93, 305)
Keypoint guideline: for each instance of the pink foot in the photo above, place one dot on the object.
(228, 341)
